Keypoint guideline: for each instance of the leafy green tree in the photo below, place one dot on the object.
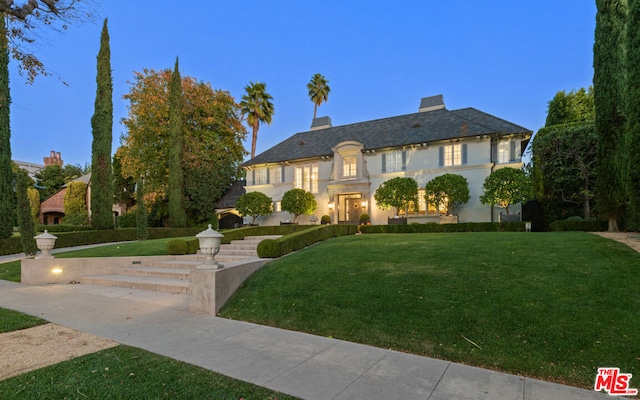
(608, 82)
(7, 196)
(213, 149)
(102, 129)
(75, 204)
(632, 141)
(448, 191)
(254, 204)
(505, 187)
(25, 219)
(142, 221)
(318, 91)
(398, 192)
(298, 202)
(177, 214)
(256, 105)
(575, 106)
(566, 169)
(49, 181)
(72, 172)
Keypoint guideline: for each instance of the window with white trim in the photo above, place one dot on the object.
(261, 177)
(452, 155)
(394, 162)
(503, 152)
(306, 177)
(349, 169)
(275, 175)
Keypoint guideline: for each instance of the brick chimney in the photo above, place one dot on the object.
(54, 158)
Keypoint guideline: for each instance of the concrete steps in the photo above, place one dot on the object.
(173, 275)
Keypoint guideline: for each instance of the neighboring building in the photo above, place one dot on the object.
(344, 165)
(32, 168)
(52, 209)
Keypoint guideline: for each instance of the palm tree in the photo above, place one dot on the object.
(256, 105)
(318, 91)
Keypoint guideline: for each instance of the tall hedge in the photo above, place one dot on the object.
(177, 213)
(632, 142)
(608, 86)
(6, 174)
(25, 220)
(102, 129)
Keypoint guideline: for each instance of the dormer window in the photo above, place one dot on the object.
(349, 169)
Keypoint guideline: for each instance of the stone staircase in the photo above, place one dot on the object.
(173, 275)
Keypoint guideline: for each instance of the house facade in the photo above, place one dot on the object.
(344, 165)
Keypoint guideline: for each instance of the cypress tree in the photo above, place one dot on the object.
(177, 213)
(101, 127)
(609, 92)
(141, 212)
(25, 218)
(6, 174)
(632, 140)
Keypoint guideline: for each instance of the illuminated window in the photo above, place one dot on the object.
(306, 177)
(503, 152)
(278, 207)
(441, 209)
(349, 167)
(452, 155)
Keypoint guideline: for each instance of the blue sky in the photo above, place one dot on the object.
(507, 58)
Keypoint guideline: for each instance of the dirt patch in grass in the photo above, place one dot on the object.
(28, 349)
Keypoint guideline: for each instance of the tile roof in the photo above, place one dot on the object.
(421, 127)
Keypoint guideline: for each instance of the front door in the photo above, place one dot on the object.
(349, 208)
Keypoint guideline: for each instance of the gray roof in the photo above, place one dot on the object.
(421, 127)
(230, 197)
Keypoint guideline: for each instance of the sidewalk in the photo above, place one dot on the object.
(303, 365)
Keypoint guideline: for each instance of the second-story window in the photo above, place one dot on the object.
(306, 177)
(261, 176)
(349, 167)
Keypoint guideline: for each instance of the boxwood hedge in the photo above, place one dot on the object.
(272, 248)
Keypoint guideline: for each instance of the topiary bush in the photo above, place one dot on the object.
(177, 247)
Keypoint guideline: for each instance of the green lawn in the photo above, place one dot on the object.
(125, 372)
(555, 306)
(13, 321)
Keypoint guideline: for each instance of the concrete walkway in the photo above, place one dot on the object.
(307, 366)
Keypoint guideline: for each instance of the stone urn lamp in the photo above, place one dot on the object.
(45, 242)
(210, 241)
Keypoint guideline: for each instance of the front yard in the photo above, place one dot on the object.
(555, 306)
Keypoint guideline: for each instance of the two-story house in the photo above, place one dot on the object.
(344, 165)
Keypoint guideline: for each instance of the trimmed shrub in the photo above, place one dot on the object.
(177, 247)
(588, 225)
(193, 245)
(126, 220)
(62, 228)
(325, 219)
(10, 245)
(273, 248)
(432, 227)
